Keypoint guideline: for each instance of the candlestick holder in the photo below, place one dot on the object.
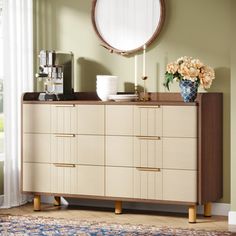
(144, 97)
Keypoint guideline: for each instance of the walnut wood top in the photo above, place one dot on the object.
(92, 98)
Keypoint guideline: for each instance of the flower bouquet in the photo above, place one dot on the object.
(190, 73)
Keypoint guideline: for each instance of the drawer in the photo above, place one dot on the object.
(148, 152)
(119, 151)
(90, 180)
(36, 148)
(91, 119)
(180, 185)
(36, 177)
(148, 183)
(64, 148)
(180, 121)
(36, 118)
(148, 120)
(64, 178)
(90, 150)
(119, 182)
(180, 153)
(64, 119)
(119, 120)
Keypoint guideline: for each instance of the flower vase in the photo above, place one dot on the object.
(189, 90)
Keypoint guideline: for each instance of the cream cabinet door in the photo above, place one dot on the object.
(90, 150)
(180, 121)
(147, 184)
(64, 148)
(90, 119)
(36, 148)
(180, 153)
(90, 180)
(148, 152)
(119, 182)
(119, 151)
(36, 177)
(36, 118)
(180, 185)
(64, 178)
(63, 119)
(148, 120)
(119, 120)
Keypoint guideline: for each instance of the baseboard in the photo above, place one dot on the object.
(232, 218)
(221, 209)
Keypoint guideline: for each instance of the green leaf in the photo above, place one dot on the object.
(168, 78)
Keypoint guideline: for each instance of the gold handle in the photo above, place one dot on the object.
(157, 106)
(148, 169)
(65, 135)
(149, 137)
(66, 105)
(64, 165)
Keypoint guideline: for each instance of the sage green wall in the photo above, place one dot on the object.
(233, 106)
(196, 28)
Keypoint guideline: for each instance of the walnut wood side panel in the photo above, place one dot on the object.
(210, 147)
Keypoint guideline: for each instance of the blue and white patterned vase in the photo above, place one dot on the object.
(188, 90)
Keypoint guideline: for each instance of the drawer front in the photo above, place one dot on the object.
(119, 120)
(180, 153)
(90, 119)
(148, 120)
(90, 150)
(119, 151)
(64, 119)
(64, 148)
(180, 185)
(180, 121)
(36, 148)
(36, 118)
(148, 184)
(148, 152)
(64, 178)
(119, 182)
(90, 180)
(36, 177)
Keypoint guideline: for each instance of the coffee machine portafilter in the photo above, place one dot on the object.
(56, 71)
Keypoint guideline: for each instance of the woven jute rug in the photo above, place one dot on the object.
(28, 225)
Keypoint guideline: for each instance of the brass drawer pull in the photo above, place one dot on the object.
(64, 165)
(149, 137)
(157, 106)
(65, 135)
(148, 169)
(66, 105)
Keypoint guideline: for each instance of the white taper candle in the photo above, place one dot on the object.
(144, 60)
(135, 70)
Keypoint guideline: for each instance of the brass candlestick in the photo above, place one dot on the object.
(145, 94)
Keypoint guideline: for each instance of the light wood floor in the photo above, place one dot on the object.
(129, 216)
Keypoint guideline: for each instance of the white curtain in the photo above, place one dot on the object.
(18, 78)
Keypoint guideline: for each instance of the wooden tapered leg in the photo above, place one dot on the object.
(57, 201)
(37, 203)
(207, 209)
(118, 207)
(192, 214)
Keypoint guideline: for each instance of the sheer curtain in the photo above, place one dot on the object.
(18, 78)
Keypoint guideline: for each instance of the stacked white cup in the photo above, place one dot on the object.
(106, 85)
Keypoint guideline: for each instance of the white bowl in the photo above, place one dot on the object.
(106, 85)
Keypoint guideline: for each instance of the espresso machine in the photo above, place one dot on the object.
(56, 73)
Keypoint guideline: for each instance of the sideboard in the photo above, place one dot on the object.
(159, 151)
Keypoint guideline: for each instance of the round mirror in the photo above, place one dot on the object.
(124, 26)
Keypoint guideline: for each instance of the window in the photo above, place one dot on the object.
(1, 88)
